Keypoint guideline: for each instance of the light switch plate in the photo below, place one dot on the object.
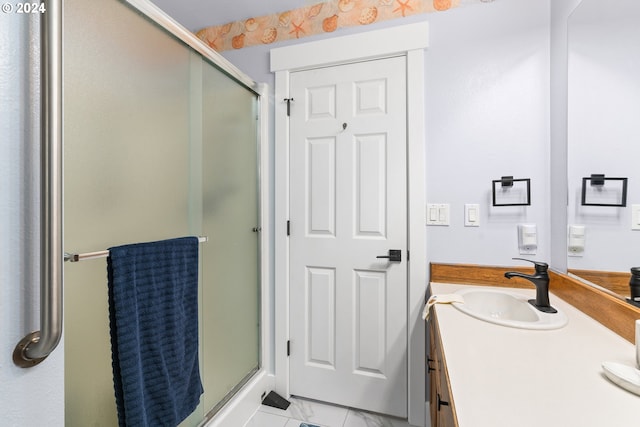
(438, 214)
(527, 239)
(576, 240)
(471, 215)
(635, 217)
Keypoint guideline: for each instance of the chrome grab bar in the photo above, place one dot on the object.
(36, 346)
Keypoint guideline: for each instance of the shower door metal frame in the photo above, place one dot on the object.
(162, 19)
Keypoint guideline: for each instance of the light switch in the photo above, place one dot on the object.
(471, 215)
(438, 214)
(433, 213)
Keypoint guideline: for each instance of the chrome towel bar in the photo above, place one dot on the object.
(36, 346)
(102, 254)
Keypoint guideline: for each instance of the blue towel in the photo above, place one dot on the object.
(153, 317)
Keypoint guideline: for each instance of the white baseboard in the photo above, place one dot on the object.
(427, 412)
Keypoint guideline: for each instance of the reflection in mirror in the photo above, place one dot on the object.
(604, 137)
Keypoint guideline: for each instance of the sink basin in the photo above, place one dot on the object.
(507, 308)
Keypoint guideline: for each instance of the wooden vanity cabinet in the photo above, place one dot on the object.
(442, 409)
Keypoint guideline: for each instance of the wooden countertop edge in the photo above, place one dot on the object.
(614, 313)
(616, 282)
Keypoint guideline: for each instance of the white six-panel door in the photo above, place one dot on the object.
(348, 205)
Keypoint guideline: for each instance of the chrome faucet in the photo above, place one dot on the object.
(541, 281)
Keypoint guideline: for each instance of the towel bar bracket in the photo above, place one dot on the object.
(19, 353)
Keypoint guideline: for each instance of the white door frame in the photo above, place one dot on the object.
(410, 41)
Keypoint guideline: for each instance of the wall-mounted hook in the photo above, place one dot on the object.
(344, 126)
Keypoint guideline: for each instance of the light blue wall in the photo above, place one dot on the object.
(488, 116)
(35, 396)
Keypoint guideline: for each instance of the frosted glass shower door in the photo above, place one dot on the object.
(159, 143)
(127, 159)
(230, 218)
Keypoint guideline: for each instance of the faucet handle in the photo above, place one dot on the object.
(541, 267)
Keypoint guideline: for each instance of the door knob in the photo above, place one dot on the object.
(395, 255)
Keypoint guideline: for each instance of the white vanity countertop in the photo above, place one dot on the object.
(502, 376)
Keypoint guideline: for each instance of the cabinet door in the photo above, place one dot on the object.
(432, 374)
(441, 402)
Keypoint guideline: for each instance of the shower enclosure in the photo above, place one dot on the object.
(159, 142)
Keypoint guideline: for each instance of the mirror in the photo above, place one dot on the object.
(603, 138)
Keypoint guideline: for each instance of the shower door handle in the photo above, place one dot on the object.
(395, 255)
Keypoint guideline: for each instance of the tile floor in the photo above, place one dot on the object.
(319, 414)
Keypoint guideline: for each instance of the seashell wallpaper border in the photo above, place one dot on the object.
(324, 17)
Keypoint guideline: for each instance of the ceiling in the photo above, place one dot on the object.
(198, 14)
